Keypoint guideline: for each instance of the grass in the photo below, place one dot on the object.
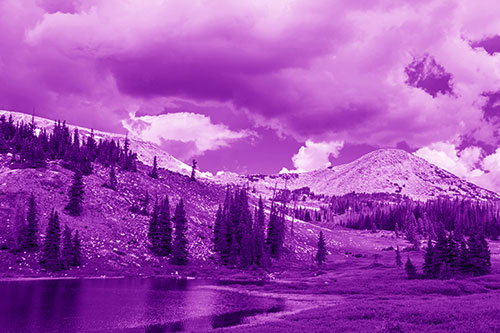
(349, 296)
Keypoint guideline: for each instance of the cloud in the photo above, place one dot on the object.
(446, 156)
(184, 134)
(322, 70)
(471, 163)
(315, 155)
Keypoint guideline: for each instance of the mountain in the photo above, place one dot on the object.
(382, 171)
(114, 237)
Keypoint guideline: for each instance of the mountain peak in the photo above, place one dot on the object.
(392, 171)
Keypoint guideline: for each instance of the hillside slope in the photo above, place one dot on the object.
(145, 150)
(381, 171)
(113, 238)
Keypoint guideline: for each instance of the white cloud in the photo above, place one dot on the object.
(446, 156)
(315, 155)
(469, 164)
(194, 130)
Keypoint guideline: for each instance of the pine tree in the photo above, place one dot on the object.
(180, 251)
(67, 249)
(484, 255)
(193, 170)
(154, 171)
(321, 253)
(218, 230)
(410, 269)
(74, 206)
(399, 261)
(412, 235)
(475, 252)
(464, 260)
(112, 182)
(164, 229)
(275, 233)
(428, 267)
(246, 254)
(32, 225)
(77, 250)
(453, 254)
(52, 244)
(153, 233)
(259, 241)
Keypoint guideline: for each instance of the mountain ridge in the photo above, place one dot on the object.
(392, 171)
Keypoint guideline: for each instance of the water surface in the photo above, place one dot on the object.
(127, 305)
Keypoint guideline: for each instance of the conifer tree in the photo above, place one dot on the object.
(74, 206)
(154, 171)
(32, 225)
(464, 259)
(259, 238)
(52, 244)
(484, 255)
(193, 170)
(164, 229)
(77, 250)
(428, 268)
(410, 269)
(180, 251)
(112, 182)
(67, 249)
(453, 254)
(275, 233)
(399, 261)
(153, 233)
(218, 230)
(321, 253)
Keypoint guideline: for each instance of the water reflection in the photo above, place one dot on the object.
(128, 305)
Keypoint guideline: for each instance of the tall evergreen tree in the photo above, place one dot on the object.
(485, 255)
(67, 249)
(74, 206)
(275, 233)
(112, 182)
(321, 253)
(193, 170)
(429, 267)
(259, 238)
(52, 244)
(32, 225)
(164, 229)
(219, 234)
(77, 250)
(453, 254)
(180, 251)
(464, 260)
(153, 233)
(154, 171)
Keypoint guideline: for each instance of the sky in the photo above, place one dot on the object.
(266, 86)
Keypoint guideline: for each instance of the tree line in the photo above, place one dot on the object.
(450, 256)
(415, 219)
(32, 148)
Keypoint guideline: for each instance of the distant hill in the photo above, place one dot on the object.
(392, 171)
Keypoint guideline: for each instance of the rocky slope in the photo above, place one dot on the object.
(114, 239)
(381, 171)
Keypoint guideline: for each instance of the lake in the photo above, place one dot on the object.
(124, 305)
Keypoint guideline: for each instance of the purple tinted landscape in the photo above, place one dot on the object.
(249, 166)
